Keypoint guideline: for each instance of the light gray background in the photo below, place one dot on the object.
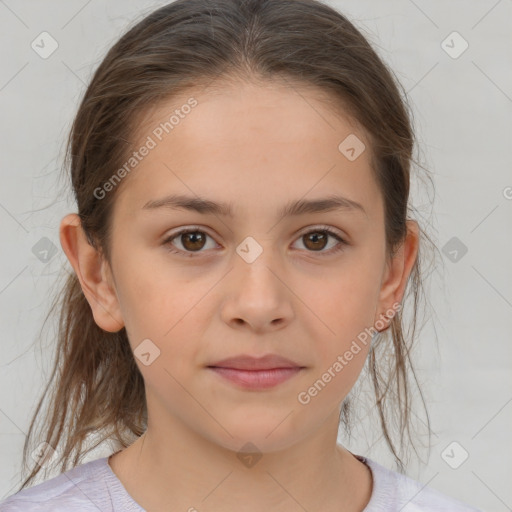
(462, 108)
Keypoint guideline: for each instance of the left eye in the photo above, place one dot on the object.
(193, 240)
(320, 236)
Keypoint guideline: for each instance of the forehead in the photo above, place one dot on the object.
(261, 144)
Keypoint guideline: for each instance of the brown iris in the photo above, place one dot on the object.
(316, 237)
(196, 239)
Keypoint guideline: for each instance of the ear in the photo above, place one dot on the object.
(397, 272)
(93, 272)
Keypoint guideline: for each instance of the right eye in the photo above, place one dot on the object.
(191, 239)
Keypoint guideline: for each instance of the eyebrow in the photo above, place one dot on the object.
(293, 208)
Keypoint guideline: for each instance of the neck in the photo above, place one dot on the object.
(176, 468)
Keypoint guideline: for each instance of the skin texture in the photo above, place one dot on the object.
(257, 146)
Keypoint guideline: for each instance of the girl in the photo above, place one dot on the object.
(240, 252)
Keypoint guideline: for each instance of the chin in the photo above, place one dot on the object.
(266, 435)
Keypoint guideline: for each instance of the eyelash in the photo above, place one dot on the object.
(320, 229)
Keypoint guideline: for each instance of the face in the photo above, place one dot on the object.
(303, 286)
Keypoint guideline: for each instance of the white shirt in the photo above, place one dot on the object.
(94, 487)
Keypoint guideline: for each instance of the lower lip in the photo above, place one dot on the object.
(256, 379)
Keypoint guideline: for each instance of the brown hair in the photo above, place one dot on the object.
(98, 389)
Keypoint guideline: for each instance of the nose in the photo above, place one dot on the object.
(257, 295)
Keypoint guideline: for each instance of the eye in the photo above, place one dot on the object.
(193, 239)
(316, 240)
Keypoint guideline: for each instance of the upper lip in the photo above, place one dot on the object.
(246, 362)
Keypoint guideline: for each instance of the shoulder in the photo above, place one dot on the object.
(395, 491)
(84, 488)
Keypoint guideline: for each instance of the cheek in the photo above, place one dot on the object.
(342, 309)
(171, 316)
(346, 307)
(153, 296)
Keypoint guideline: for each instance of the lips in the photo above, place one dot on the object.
(251, 373)
(250, 363)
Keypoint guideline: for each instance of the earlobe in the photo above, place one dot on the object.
(398, 270)
(93, 274)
